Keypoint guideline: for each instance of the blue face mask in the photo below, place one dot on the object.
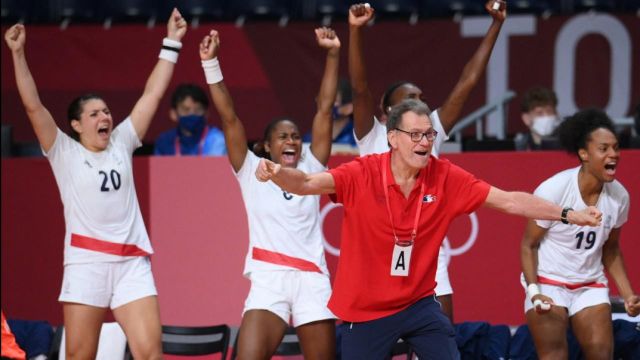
(335, 113)
(192, 123)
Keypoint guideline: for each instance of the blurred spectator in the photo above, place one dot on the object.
(540, 115)
(637, 120)
(34, 337)
(634, 143)
(342, 115)
(192, 135)
(10, 348)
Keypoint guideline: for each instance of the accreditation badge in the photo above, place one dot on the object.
(401, 258)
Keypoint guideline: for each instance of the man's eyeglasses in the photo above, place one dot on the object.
(417, 136)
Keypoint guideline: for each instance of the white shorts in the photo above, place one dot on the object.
(572, 300)
(108, 284)
(443, 286)
(302, 295)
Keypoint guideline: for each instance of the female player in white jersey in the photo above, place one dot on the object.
(285, 262)
(106, 256)
(563, 264)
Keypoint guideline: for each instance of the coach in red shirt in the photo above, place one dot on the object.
(397, 209)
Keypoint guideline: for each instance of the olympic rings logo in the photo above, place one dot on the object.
(449, 251)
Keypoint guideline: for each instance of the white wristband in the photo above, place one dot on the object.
(532, 290)
(168, 55)
(212, 70)
(172, 43)
(170, 50)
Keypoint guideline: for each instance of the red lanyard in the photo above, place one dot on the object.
(200, 144)
(385, 158)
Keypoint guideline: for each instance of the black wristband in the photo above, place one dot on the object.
(563, 216)
(171, 48)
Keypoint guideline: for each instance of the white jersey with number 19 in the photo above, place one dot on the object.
(572, 254)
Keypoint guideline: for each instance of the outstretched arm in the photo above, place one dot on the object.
(614, 263)
(533, 207)
(41, 120)
(158, 81)
(322, 122)
(295, 181)
(449, 112)
(234, 135)
(363, 104)
(529, 260)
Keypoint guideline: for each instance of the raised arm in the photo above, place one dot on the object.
(533, 207)
(363, 104)
(158, 81)
(614, 263)
(529, 262)
(41, 120)
(234, 135)
(322, 122)
(449, 112)
(295, 181)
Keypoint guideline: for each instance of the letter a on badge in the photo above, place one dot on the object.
(401, 260)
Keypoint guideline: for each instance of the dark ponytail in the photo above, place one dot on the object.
(74, 112)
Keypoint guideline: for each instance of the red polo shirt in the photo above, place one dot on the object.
(363, 289)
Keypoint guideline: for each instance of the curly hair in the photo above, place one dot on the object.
(575, 132)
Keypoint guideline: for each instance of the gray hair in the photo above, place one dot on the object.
(395, 115)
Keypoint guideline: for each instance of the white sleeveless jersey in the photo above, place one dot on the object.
(570, 253)
(102, 216)
(375, 142)
(284, 229)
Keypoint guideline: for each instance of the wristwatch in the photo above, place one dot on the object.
(563, 216)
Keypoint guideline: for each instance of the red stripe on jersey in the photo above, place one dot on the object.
(547, 281)
(107, 247)
(282, 259)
